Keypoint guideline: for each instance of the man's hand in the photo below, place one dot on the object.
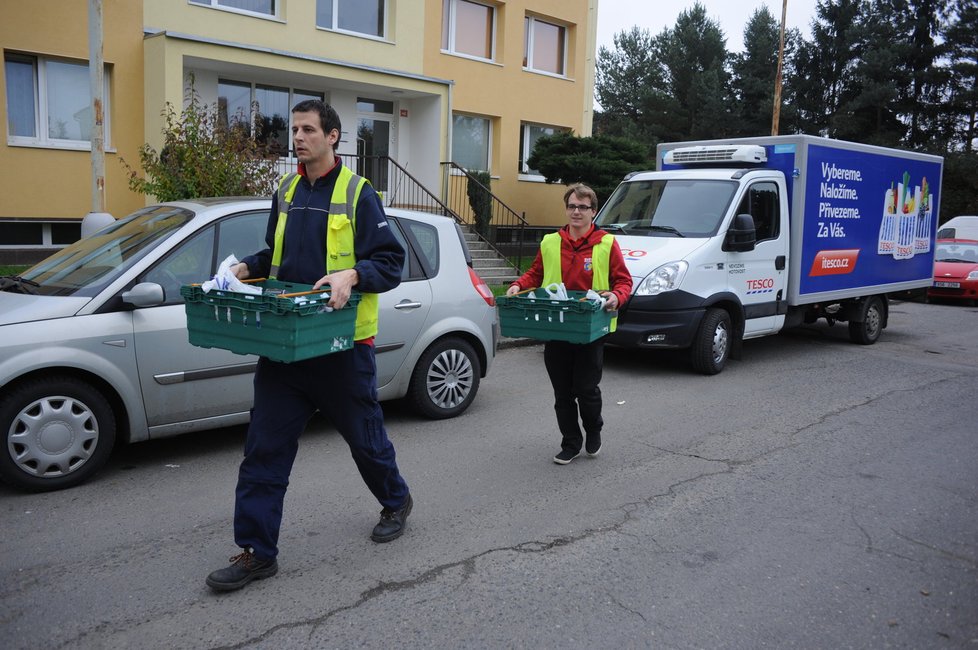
(611, 300)
(241, 271)
(340, 284)
(513, 290)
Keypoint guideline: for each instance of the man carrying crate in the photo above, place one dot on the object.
(581, 258)
(327, 227)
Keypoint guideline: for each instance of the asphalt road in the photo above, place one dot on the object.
(816, 494)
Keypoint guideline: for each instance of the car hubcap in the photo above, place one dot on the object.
(719, 343)
(53, 436)
(449, 379)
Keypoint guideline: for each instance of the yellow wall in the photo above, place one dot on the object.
(294, 31)
(509, 95)
(59, 28)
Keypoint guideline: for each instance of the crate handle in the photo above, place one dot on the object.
(301, 293)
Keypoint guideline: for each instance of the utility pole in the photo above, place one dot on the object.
(98, 217)
(776, 118)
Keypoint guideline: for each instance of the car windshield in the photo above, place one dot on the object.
(956, 252)
(667, 208)
(88, 265)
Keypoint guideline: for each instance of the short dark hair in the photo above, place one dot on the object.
(328, 118)
(582, 191)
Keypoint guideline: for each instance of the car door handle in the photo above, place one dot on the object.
(407, 304)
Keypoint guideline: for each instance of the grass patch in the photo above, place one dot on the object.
(15, 269)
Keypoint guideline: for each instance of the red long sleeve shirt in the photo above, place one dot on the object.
(576, 266)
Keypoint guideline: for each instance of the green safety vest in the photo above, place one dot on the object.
(600, 264)
(340, 254)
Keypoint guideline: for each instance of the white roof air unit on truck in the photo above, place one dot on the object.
(746, 153)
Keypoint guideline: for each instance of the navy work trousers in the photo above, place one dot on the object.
(575, 372)
(343, 387)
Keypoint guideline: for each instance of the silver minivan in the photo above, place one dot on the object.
(94, 348)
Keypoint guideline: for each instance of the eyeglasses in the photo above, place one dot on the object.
(572, 207)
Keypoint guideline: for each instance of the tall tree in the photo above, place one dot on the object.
(694, 54)
(627, 78)
(826, 64)
(961, 37)
(754, 72)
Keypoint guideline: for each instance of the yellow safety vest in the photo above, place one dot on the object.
(600, 264)
(340, 254)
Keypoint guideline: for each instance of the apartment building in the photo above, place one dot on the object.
(46, 186)
(423, 82)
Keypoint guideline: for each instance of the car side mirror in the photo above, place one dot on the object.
(741, 236)
(144, 294)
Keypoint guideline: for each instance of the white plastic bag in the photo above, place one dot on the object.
(594, 296)
(226, 280)
(556, 291)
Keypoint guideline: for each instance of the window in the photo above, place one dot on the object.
(529, 134)
(468, 29)
(269, 108)
(359, 16)
(544, 47)
(470, 142)
(761, 203)
(263, 7)
(49, 102)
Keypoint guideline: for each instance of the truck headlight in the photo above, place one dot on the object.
(665, 278)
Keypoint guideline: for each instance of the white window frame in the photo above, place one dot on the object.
(336, 18)
(530, 23)
(525, 174)
(488, 121)
(449, 23)
(41, 138)
(216, 4)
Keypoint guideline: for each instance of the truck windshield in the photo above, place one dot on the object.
(88, 265)
(667, 208)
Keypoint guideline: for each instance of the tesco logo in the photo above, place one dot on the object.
(765, 283)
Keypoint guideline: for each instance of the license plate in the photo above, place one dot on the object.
(948, 285)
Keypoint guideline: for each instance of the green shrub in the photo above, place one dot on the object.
(204, 156)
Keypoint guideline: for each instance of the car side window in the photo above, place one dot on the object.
(761, 203)
(425, 239)
(242, 235)
(189, 263)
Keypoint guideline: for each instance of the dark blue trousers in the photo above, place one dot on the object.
(343, 387)
(575, 372)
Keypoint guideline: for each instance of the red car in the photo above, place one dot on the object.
(955, 270)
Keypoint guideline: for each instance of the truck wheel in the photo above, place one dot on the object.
(711, 347)
(57, 432)
(445, 380)
(868, 331)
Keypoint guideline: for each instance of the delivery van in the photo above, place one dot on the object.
(965, 227)
(737, 239)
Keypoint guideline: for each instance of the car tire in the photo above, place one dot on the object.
(711, 346)
(57, 433)
(869, 329)
(445, 379)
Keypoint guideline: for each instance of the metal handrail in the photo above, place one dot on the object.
(501, 215)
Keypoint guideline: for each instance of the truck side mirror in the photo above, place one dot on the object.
(740, 236)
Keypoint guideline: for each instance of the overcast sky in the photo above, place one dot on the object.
(655, 15)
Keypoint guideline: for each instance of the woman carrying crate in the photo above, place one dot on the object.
(581, 257)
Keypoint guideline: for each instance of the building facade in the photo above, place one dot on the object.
(423, 82)
(47, 183)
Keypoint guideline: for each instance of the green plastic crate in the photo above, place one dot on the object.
(277, 328)
(536, 316)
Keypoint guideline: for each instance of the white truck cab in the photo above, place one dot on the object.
(739, 239)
